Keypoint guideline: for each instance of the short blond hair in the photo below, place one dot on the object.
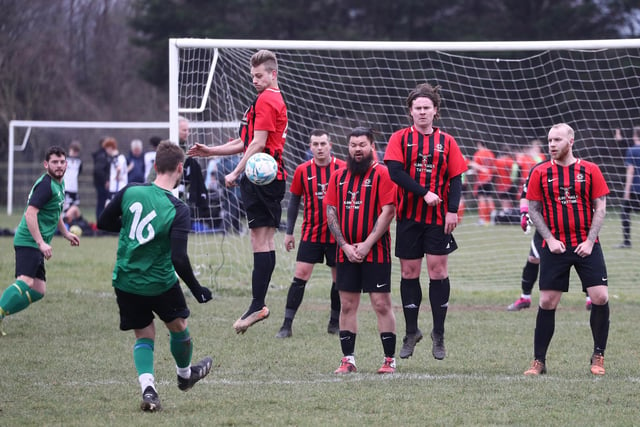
(265, 57)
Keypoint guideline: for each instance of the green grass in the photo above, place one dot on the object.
(65, 362)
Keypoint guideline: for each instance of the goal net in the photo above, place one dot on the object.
(502, 94)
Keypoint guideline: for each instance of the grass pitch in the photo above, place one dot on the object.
(64, 361)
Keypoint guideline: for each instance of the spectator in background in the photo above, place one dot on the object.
(150, 158)
(631, 196)
(484, 168)
(231, 196)
(135, 162)
(101, 166)
(71, 209)
(117, 168)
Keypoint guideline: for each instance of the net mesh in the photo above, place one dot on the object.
(502, 99)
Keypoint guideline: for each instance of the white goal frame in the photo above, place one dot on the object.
(498, 46)
(30, 124)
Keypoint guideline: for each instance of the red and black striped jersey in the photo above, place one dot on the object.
(269, 113)
(567, 194)
(310, 182)
(358, 200)
(431, 160)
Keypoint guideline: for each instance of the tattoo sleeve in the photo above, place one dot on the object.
(535, 213)
(600, 210)
(334, 226)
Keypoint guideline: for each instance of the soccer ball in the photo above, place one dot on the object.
(261, 169)
(75, 229)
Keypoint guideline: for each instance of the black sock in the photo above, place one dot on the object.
(529, 276)
(599, 321)
(348, 343)
(335, 303)
(294, 298)
(260, 278)
(388, 343)
(545, 326)
(411, 296)
(439, 292)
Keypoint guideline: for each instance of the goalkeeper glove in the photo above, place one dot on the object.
(201, 294)
(525, 221)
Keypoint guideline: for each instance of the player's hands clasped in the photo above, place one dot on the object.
(432, 199)
(202, 294)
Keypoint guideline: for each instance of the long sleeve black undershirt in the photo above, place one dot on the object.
(292, 212)
(401, 178)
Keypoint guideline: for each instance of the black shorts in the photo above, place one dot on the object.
(315, 253)
(556, 268)
(510, 194)
(136, 311)
(262, 202)
(536, 245)
(30, 263)
(485, 189)
(366, 277)
(414, 239)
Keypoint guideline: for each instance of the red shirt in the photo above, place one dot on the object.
(484, 157)
(567, 194)
(269, 113)
(358, 200)
(431, 160)
(526, 162)
(310, 182)
(504, 169)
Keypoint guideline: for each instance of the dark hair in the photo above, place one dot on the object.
(265, 57)
(168, 156)
(319, 132)
(155, 141)
(75, 145)
(425, 90)
(362, 131)
(54, 150)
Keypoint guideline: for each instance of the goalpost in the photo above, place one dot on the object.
(499, 93)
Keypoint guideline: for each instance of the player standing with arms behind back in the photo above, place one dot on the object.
(264, 129)
(310, 182)
(567, 205)
(427, 165)
(154, 228)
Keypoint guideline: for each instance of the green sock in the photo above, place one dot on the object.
(181, 348)
(143, 356)
(17, 297)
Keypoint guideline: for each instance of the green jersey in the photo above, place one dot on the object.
(47, 195)
(150, 217)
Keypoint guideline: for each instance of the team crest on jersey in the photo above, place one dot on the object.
(567, 196)
(580, 178)
(366, 183)
(423, 163)
(322, 190)
(352, 202)
(439, 148)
